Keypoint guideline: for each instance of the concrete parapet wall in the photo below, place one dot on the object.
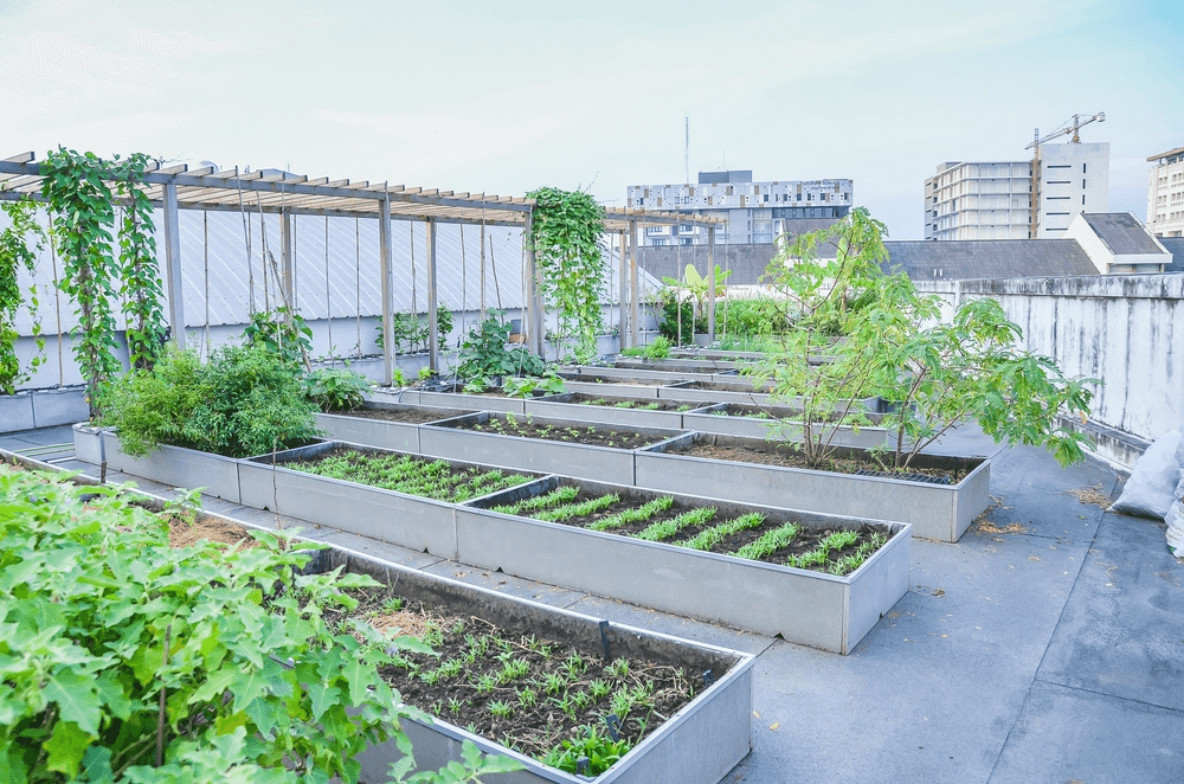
(1125, 330)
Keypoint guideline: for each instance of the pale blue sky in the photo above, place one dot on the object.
(503, 97)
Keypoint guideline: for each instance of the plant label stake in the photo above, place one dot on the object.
(614, 726)
(708, 677)
(582, 765)
(604, 644)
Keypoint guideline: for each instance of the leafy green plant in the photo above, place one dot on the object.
(667, 529)
(769, 542)
(658, 348)
(412, 475)
(283, 332)
(600, 750)
(74, 188)
(699, 287)
(710, 537)
(243, 401)
(182, 674)
(483, 354)
(337, 389)
(560, 495)
(635, 515)
(515, 386)
(566, 228)
(578, 509)
(411, 332)
(140, 274)
(19, 244)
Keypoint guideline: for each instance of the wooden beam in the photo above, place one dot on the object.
(172, 254)
(433, 333)
(711, 283)
(386, 266)
(634, 309)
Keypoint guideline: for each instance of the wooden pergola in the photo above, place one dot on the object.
(174, 188)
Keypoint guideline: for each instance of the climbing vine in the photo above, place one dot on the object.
(15, 253)
(141, 289)
(74, 189)
(565, 236)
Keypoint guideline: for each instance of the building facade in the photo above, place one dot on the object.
(1165, 194)
(992, 200)
(756, 212)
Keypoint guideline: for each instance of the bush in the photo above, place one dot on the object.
(244, 401)
(484, 355)
(106, 628)
(337, 390)
(668, 326)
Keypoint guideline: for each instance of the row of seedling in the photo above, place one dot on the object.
(751, 535)
(635, 405)
(540, 697)
(424, 477)
(527, 426)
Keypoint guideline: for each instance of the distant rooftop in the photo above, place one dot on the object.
(1176, 154)
(1122, 232)
(968, 259)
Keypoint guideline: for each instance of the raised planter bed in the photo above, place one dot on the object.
(612, 410)
(618, 375)
(679, 365)
(811, 608)
(408, 520)
(387, 425)
(935, 511)
(172, 465)
(739, 419)
(453, 397)
(455, 439)
(743, 390)
(699, 744)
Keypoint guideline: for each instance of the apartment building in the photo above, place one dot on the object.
(1165, 194)
(756, 212)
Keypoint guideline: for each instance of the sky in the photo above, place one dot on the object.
(504, 97)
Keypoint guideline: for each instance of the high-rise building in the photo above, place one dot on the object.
(1165, 194)
(993, 200)
(757, 212)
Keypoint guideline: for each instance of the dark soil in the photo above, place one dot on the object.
(643, 404)
(408, 416)
(640, 382)
(788, 458)
(718, 386)
(805, 541)
(535, 728)
(589, 435)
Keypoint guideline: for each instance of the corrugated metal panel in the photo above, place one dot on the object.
(352, 268)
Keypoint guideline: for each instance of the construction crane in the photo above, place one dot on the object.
(1072, 126)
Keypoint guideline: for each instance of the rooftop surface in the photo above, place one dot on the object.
(1046, 646)
(1122, 232)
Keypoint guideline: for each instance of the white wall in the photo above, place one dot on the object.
(1126, 330)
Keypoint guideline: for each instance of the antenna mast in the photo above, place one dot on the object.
(686, 150)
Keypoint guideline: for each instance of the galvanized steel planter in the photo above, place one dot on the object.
(644, 389)
(409, 521)
(560, 406)
(941, 512)
(461, 400)
(450, 439)
(380, 432)
(699, 744)
(689, 366)
(619, 374)
(811, 608)
(704, 421)
(737, 390)
(171, 465)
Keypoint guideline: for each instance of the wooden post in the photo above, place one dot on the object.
(634, 309)
(622, 320)
(535, 330)
(711, 284)
(433, 333)
(172, 249)
(287, 263)
(386, 264)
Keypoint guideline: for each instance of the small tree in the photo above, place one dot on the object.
(934, 374)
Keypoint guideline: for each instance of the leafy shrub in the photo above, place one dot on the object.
(526, 387)
(107, 629)
(760, 316)
(672, 313)
(658, 348)
(411, 332)
(336, 389)
(282, 332)
(484, 354)
(600, 749)
(244, 401)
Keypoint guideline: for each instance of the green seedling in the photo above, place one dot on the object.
(561, 495)
(485, 684)
(527, 697)
(501, 709)
(668, 529)
(582, 509)
(636, 515)
(599, 689)
(554, 683)
(619, 668)
(769, 542)
(709, 538)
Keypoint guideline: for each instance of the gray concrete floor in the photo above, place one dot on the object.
(1046, 646)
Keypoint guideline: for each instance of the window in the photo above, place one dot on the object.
(1083, 184)
(1083, 168)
